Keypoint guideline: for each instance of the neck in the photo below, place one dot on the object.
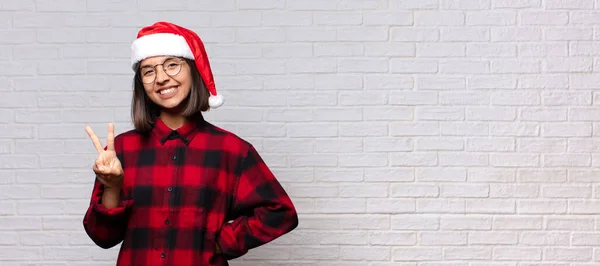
(172, 120)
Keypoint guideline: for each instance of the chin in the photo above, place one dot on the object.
(169, 105)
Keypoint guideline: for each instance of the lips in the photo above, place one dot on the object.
(167, 92)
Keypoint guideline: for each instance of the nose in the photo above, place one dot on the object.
(161, 76)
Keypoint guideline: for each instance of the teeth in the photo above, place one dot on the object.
(167, 91)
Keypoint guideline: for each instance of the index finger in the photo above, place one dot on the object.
(94, 138)
(110, 143)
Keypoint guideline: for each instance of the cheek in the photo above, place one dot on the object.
(148, 90)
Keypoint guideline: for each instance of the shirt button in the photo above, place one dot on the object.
(170, 189)
(167, 221)
(162, 255)
(174, 157)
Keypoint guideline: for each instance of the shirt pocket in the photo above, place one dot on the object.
(202, 204)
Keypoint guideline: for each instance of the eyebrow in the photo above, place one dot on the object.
(168, 58)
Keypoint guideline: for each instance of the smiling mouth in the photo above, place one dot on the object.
(167, 91)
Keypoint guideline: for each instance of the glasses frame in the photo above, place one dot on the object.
(179, 60)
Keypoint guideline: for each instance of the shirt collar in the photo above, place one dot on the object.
(186, 132)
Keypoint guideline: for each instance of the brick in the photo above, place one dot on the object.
(413, 159)
(491, 114)
(515, 34)
(371, 253)
(542, 207)
(493, 175)
(381, 18)
(430, 143)
(522, 222)
(572, 4)
(415, 222)
(363, 34)
(417, 254)
(276, 18)
(464, 191)
(387, 144)
(447, 174)
(491, 50)
(357, 129)
(337, 114)
(444, 206)
(466, 223)
(366, 190)
(517, 253)
(414, 34)
(312, 130)
(516, 3)
(543, 50)
(513, 191)
(515, 98)
(569, 254)
(515, 66)
(491, 82)
(298, 34)
(468, 253)
(491, 18)
(334, 145)
(440, 114)
(365, 5)
(463, 159)
(387, 175)
(464, 129)
(493, 238)
(363, 160)
(391, 206)
(544, 18)
(521, 129)
(337, 49)
(463, 34)
(443, 238)
(570, 33)
(545, 239)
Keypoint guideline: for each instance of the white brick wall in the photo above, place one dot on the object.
(408, 132)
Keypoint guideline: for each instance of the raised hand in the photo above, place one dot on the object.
(107, 167)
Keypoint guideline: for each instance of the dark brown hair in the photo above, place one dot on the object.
(144, 112)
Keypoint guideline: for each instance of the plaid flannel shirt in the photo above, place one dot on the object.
(198, 195)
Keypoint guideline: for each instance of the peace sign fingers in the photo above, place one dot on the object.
(94, 138)
(111, 137)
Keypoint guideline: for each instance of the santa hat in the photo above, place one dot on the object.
(168, 39)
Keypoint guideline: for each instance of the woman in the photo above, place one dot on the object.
(177, 190)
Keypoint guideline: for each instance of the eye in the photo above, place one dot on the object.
(147, 72)
(172, 65)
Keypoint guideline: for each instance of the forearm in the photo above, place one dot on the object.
(106, 218)
(247, 232)
(111, 197)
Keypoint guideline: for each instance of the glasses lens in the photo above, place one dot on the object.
(172, 67)
(147, 74)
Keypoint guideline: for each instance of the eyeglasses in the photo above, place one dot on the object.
(171, 67)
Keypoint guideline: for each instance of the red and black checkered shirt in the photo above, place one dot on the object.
(188, 193)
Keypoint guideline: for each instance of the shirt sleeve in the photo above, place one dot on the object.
(106, 227)
(262, 210)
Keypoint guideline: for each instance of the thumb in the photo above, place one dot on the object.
(100, 164)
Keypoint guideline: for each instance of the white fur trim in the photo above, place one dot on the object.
(159, 44)
(215, 101)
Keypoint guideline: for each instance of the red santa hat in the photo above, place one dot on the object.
(168, 39)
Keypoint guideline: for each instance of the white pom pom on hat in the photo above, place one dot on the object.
(165, 38)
